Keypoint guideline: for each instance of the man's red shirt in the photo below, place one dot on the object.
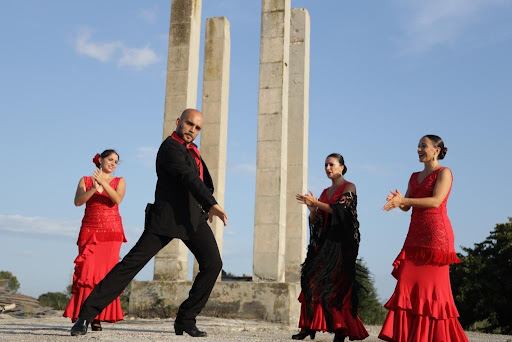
(193, 150)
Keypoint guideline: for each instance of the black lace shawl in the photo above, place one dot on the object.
(330, 269)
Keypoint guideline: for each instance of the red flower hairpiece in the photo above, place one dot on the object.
(96, 159)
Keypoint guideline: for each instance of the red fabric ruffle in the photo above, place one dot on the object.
(438, 309)
(426, 256)
(94, 261)
(405, 326)
(85, 236)
(343, 321)
(431, 256)
(80, 279)
(422, 308)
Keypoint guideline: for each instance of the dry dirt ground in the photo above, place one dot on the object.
(56, 328)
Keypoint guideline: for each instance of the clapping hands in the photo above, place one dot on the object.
(308, 199)
(98, 179)
(394, 200)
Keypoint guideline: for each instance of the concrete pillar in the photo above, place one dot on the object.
(215, 111)
(180, 93)
(298, 117)
(271, 166)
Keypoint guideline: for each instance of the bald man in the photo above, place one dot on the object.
(183, 203)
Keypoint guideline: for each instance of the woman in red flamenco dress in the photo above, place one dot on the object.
(100, 238)
(329, 297)
(422, 308)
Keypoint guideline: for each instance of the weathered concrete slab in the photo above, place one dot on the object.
(268, 301)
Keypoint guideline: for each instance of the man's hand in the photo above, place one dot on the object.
(216, 210)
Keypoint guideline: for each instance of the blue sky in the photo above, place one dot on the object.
(79, 77)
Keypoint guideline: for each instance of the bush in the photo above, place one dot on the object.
(10, 280)
(482, 283)
(55, 300)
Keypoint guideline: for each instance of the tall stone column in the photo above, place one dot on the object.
(180, 93)
(298, 117)
(215, 111)
(271, 166)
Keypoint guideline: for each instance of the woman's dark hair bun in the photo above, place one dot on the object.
(340, 159)
(438, 142)
(442, 153)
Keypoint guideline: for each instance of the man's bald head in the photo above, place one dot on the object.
(189, 124)
(190, 111)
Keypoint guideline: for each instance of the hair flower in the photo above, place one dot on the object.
(96, 159)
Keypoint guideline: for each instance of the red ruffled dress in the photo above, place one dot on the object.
(422, 308)
(99, 243)
(342, 320)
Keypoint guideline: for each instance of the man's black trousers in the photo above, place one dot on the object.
(202, 244)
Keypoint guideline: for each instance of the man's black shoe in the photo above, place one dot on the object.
(192, 331)
(80, 327)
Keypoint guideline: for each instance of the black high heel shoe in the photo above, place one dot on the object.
(96, 325)
(80, 327)
(303, 334)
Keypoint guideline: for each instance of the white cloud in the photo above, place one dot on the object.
(245, 168)
(147, 155)
(438, 22)
(126, 56)
(138, 58)
(149, 15)
(36, 225)
(100, 51)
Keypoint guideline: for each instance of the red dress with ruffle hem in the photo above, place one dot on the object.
(422, 308)
(343, 322)
(99, 242)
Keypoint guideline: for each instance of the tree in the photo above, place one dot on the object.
(55, 300)
(371, 310)
(10, 280)
(482, 282)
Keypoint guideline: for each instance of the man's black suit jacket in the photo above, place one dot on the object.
(182, 199)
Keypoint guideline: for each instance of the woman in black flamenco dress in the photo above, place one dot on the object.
(329, 297)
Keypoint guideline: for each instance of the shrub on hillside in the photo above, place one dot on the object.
(55, 300)
(10, 281)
